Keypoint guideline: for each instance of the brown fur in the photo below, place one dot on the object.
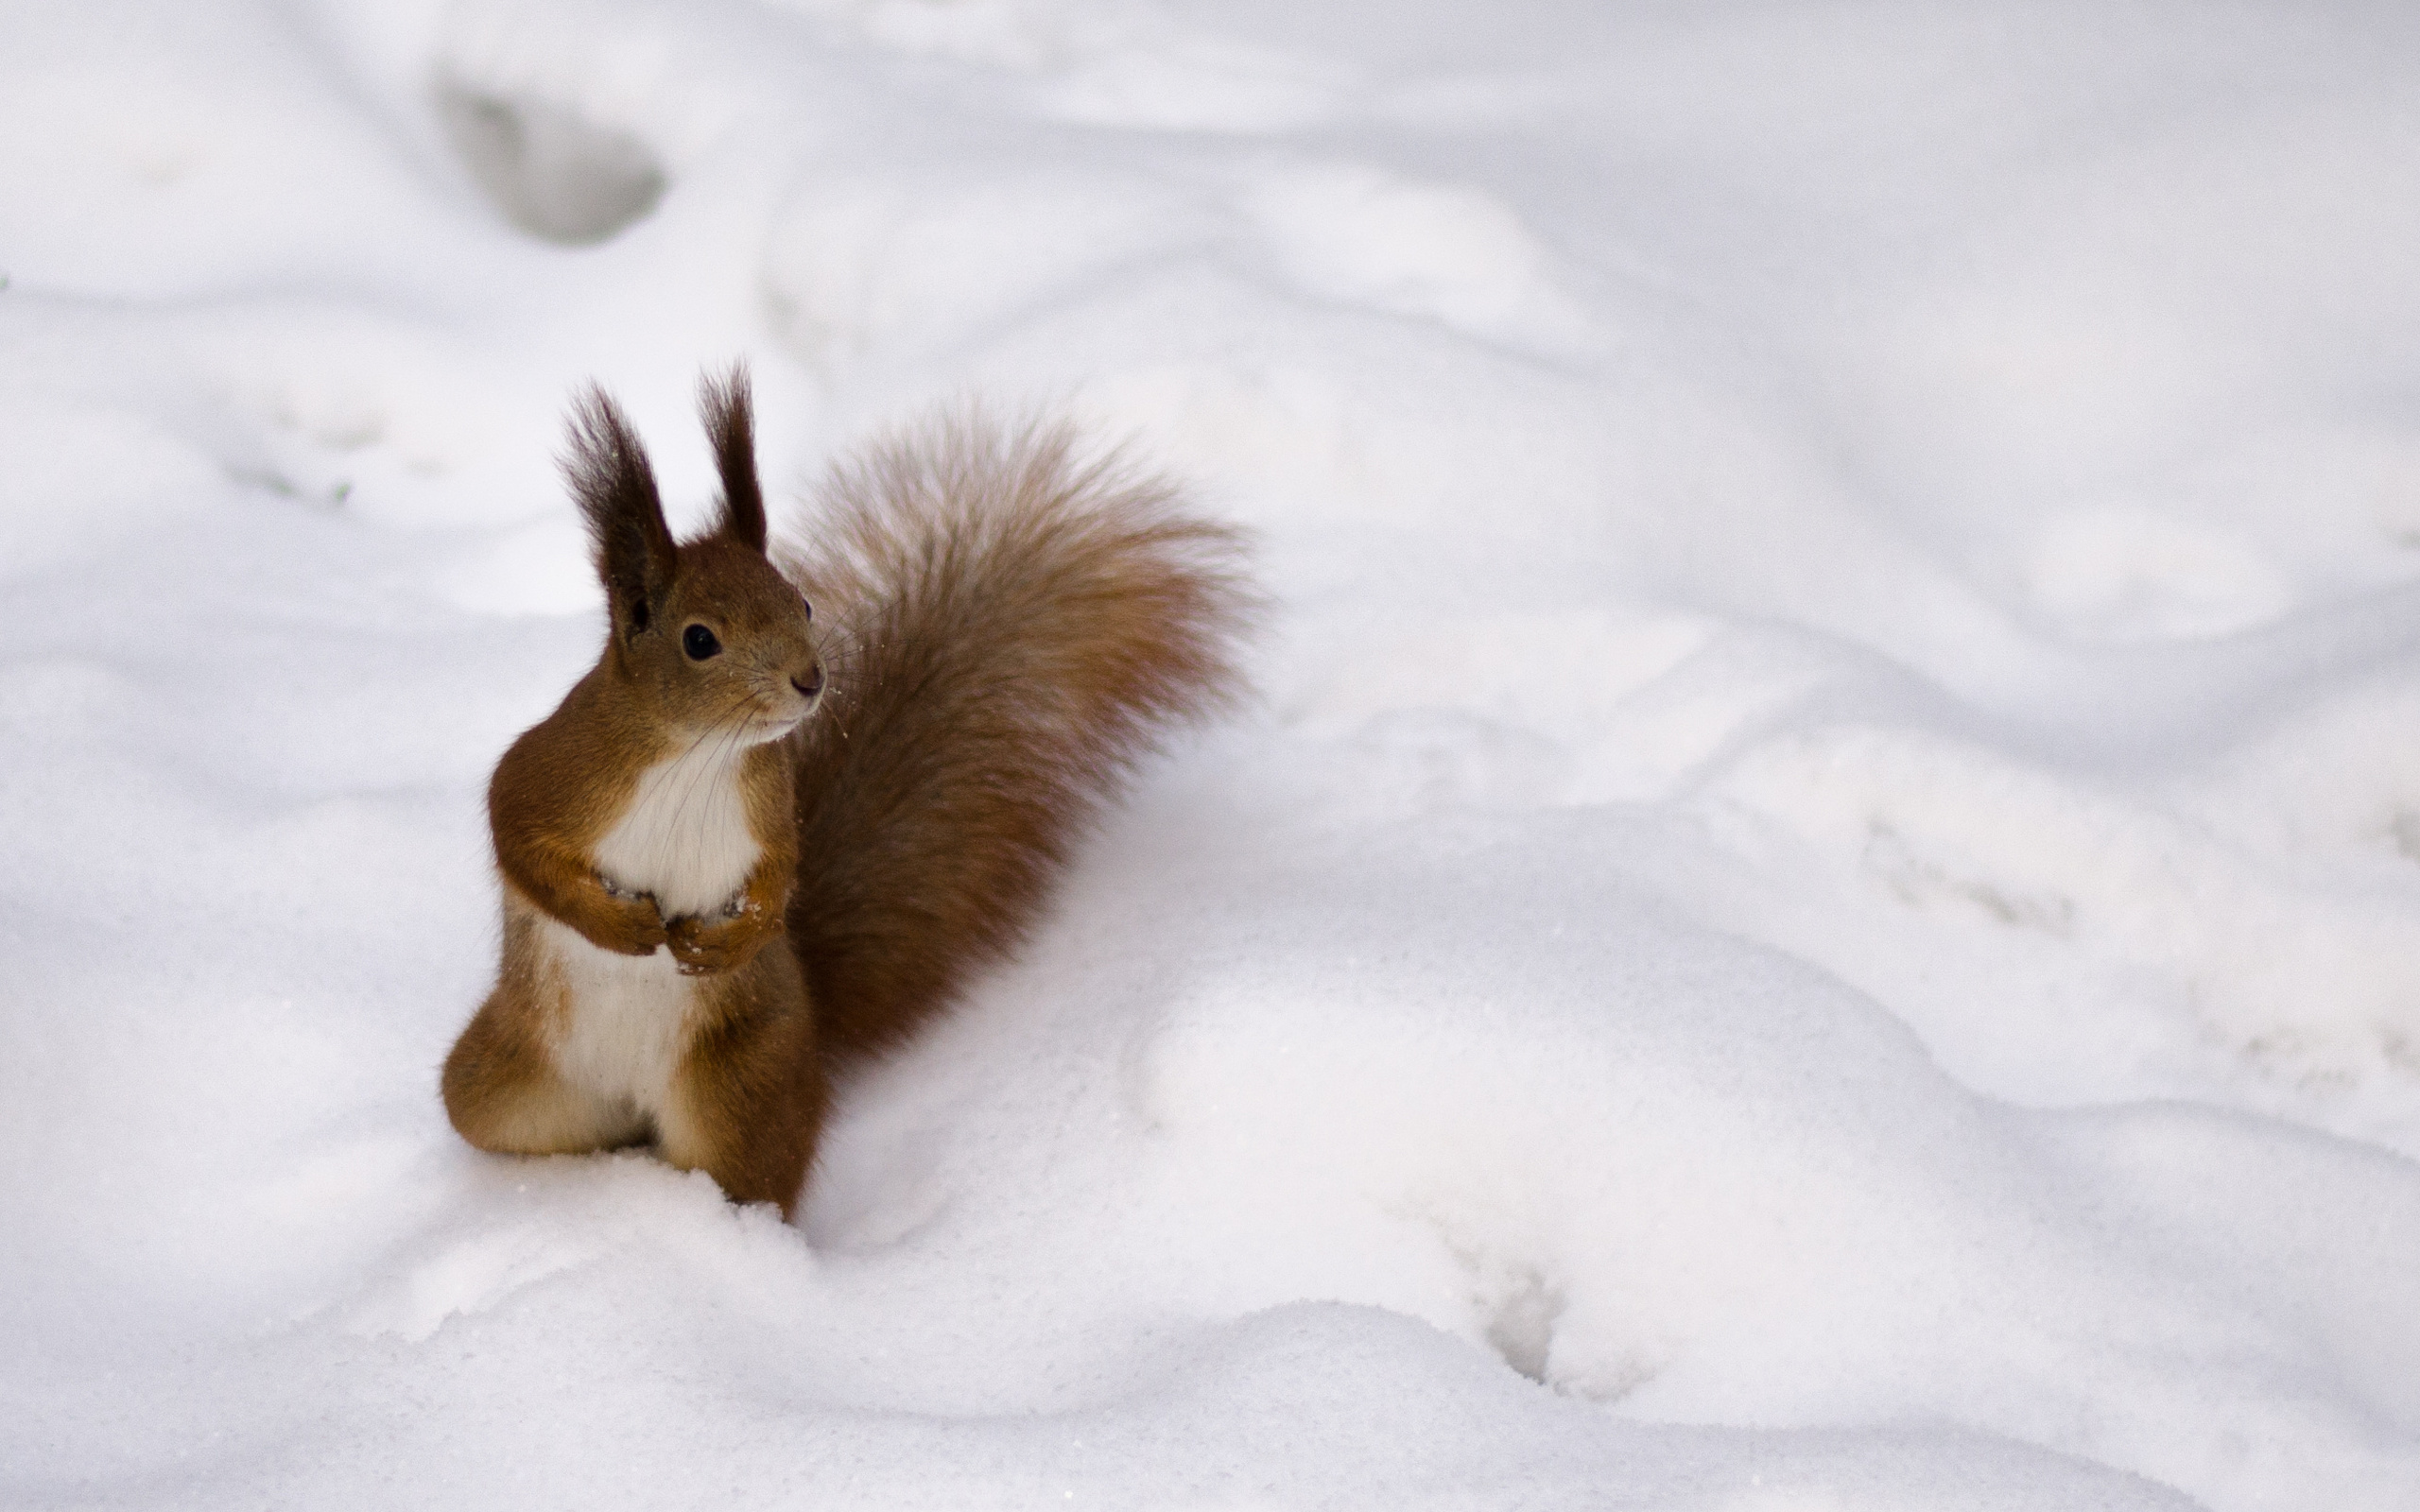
(1008, 628)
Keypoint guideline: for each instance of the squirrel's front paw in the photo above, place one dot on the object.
(699, 950)
(633, 926)
(705, 947)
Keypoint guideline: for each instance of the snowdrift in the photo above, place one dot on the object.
(1818, 911)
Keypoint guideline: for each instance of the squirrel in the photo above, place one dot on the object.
(804, 793)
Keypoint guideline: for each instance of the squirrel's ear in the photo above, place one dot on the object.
(610, 476)
(731, 424)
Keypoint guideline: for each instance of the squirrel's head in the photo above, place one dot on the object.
(706, 635)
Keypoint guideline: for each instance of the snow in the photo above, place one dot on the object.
(1818, 910)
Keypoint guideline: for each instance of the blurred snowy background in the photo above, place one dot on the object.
(1822, 910)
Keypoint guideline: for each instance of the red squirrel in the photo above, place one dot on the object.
(800, 797)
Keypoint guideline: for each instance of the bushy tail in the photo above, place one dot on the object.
(1010, 628)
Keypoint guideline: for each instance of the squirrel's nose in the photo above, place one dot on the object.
(812, 683)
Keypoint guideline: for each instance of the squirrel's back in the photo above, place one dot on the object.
(1013, 625)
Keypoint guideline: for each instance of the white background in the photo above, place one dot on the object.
(1819, 910)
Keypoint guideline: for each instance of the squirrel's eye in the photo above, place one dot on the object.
(699, 642)
(810, 608)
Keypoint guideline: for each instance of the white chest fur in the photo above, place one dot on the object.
(685, 840)
(629, 1014)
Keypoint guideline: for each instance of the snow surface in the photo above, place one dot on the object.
(1819, 911)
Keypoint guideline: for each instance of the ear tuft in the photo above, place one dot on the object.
(609, 474)
(731, 424)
